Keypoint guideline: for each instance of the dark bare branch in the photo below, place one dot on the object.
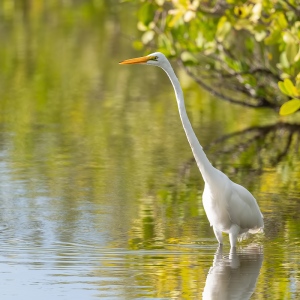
(261, 102)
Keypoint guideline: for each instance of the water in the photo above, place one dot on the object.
(99, 195)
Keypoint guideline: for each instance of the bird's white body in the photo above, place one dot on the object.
(229, 207)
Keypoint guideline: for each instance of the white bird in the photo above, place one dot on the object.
(229, 207)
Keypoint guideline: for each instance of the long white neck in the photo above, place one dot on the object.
(206, 169)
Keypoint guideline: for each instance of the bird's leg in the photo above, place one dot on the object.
(233, 234)
(218, 235)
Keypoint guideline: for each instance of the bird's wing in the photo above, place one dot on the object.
(243, 209)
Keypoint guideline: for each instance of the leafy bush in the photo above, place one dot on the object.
(245, 52)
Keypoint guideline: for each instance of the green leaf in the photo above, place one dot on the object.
(281, 20)
(223, 29)
(176, 16)
(288, 84)
(298, 81)
(274, 37)
(283, 60)
(146, 13)
(289, 107)
(291, 52)
(283, 88)
(297, 57)
(292, 90)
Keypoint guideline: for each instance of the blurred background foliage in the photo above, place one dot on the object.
(250, 50)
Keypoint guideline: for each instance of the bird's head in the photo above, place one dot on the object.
(153, 59)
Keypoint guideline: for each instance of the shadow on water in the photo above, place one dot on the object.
(233, 277)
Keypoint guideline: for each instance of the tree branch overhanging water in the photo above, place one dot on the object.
(260, 101)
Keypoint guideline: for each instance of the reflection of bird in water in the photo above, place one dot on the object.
(233, 278)
(229, 207)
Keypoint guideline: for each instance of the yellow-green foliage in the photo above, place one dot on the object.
(257, 43)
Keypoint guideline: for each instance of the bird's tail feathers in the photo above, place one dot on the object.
(256, 230)
(243, 236)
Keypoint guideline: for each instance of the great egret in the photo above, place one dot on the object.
(229, 207)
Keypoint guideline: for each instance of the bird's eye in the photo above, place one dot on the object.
(155, 57)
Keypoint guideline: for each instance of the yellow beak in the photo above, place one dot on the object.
(138, 60)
